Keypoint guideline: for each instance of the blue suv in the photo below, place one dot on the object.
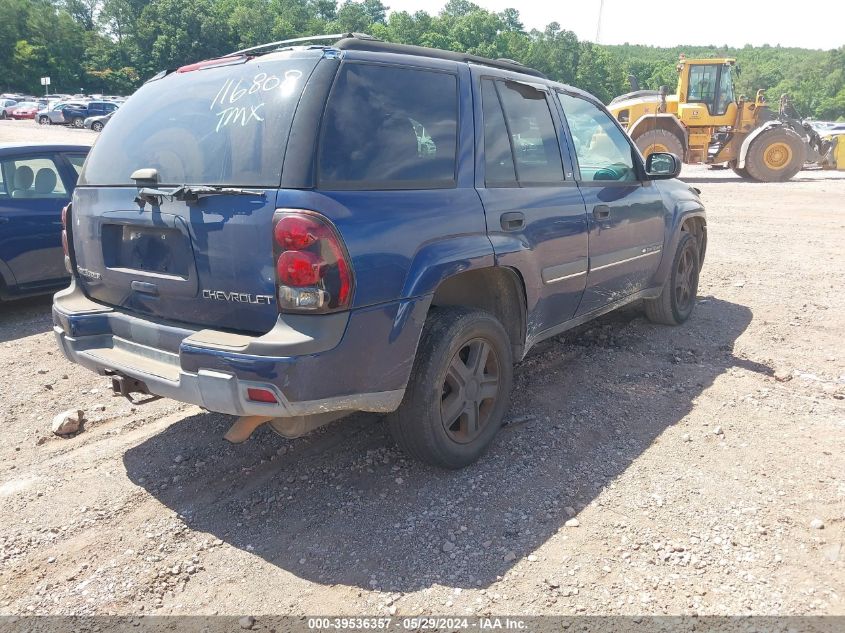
(291, 233)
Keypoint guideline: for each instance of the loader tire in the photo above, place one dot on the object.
(660, 141)
(742, 172)
(776, 155)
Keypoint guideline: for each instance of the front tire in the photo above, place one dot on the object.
(677, 299)
(43, 120)
(660, 140)
(459, 390)
(776, 155)
(97, 126)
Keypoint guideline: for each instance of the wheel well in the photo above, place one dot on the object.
(499, 291)
(697, 227)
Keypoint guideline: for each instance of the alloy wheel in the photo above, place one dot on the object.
(470, 390)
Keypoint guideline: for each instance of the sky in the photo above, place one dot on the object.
(755, 22)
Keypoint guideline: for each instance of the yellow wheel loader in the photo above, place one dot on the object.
(703, 122)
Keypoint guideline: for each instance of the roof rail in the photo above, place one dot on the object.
(377, 45)
(508, 60)
(300, 40)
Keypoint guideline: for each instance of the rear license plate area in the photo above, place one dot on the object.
(149, 249)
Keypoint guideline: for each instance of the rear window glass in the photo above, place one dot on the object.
(216, 126)
(32, 177)
(389, 127)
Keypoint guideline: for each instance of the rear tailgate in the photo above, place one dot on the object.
(209, 264)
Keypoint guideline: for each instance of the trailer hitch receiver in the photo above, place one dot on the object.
(126, 386)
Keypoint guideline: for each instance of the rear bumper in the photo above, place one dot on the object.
(353, 361)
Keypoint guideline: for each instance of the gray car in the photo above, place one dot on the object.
(97, 123)
(4, 104)
(55, 115)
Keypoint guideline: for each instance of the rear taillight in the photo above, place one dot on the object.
(312, 268)
(65, 240)
(261, 395)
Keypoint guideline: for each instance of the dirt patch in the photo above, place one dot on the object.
(697, 461)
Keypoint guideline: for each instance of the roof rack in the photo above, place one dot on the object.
(373, 44)
(302, 40)
(366, 42)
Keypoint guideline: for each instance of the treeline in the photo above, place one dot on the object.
(112, 46)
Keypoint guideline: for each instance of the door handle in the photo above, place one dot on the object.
(512, 221)
(601, 212)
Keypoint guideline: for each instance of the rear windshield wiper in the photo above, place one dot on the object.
(191, 193)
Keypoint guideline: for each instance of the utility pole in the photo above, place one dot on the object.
(598, 26)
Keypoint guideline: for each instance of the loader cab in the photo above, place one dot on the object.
(706, 91)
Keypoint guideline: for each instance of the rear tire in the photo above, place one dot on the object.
(78, 122)
(660, 140)
(459, 388)
(776, 155)
(677, 299)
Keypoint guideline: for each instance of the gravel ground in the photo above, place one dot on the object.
(645, 469)
(31, 132)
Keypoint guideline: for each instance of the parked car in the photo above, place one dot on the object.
(55, 114)
(322, 259)
(92, 108)
(6, 106)
(97, 123)
(36, 181)
(23, 110)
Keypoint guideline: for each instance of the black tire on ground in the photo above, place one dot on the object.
(677, 300)
(742, 172)
(459, 389)
(662, 140)
(77, 122)
(97, 126)
(2, 113)
(44, 120)
(776, 155)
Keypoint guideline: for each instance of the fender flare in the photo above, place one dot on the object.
(743, 150)
(682, 213)
(437, 261)
(663, 117)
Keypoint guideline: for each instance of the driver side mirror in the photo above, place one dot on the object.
(662, 166)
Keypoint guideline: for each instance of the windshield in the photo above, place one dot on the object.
(215, 126)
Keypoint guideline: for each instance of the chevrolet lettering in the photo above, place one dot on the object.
(237, 297)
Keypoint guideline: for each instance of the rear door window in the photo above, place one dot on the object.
(226, 125)
(498, 157)
(389, 127)
(532, 134)
(34, 177)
